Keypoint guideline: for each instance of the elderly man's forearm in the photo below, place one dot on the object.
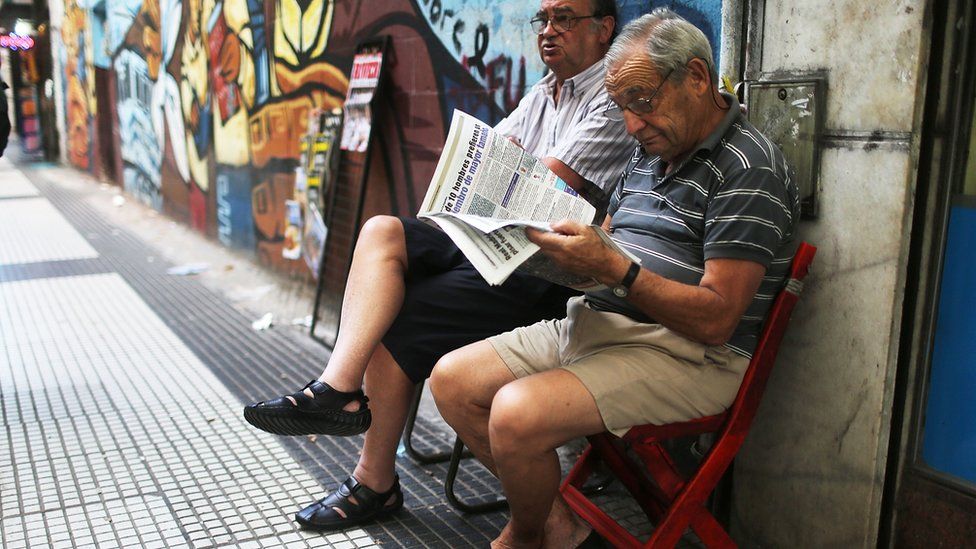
(708, 312)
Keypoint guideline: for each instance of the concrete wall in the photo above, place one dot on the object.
(812, 470)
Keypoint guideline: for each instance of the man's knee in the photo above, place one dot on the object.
(514, 424)
(382, 232)
(447, 381)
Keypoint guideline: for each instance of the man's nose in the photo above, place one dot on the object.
(632, 122)
(549, 30)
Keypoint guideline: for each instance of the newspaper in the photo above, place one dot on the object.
(486, 190)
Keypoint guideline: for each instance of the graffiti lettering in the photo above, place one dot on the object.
(435, 11)
(480, 47)
(500, 82)
(458, 29)
(488, 43)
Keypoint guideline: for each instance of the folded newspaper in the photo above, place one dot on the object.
(486, 190)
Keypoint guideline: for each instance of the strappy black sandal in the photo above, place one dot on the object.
(357, 503)
(321, 414)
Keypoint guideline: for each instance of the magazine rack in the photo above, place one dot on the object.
(348, 191)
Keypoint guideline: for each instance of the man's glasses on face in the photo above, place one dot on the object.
(560, 23)
(639, 106)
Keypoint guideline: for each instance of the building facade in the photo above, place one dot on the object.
(196, 107)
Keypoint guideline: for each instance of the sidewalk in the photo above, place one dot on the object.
(121, 389)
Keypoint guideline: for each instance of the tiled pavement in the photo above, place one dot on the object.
(121, 389)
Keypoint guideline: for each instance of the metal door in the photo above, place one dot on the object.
(930, 497)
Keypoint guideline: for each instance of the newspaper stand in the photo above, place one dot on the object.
(345, 196)
(310, 211)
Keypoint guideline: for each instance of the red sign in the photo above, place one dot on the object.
(16, 42)
(365, 70)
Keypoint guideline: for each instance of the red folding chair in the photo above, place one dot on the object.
(671, 501)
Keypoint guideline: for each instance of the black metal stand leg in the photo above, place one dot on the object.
(452, 471)
(423, 459)
(319, 288)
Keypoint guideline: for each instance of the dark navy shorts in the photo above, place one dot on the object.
(448, 305)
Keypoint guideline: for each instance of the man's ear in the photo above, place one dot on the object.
(607, 24)
(699, 75)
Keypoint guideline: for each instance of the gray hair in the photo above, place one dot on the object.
(604, 8)
(667, 39)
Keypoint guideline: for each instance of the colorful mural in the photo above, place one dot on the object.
(79, 93)
(212, 95)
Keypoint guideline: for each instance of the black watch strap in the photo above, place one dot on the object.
(631, 275)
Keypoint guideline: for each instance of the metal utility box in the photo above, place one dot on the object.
(790, 112)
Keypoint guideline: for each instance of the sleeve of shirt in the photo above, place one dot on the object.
(595, 147)
(749, 216)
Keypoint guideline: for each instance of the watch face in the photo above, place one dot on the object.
(620, 291)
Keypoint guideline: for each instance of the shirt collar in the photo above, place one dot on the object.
(590, 76)
(731, 116)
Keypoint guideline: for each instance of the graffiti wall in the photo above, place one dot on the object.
(211, 96)
(77, 58)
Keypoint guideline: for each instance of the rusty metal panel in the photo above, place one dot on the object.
(790, 113)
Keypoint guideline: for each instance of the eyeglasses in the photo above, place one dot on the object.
(639, 106)
(560, 23)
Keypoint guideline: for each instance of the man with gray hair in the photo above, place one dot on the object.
(709, 206)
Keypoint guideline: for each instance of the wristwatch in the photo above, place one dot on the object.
(622, 289)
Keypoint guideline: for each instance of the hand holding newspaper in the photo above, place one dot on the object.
(486, 190)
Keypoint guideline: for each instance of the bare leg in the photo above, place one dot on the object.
(529, 419)
(391, 391)
(516, 435)
(373, 298)
(463, 383)
(563, 528)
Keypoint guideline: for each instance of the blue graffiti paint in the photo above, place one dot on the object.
(121, 14)
(235, 220)
(97, 17)
(203, 134)
(482, 38)
(141, 154)
(457, 96)
(704, 14)
(262, 66)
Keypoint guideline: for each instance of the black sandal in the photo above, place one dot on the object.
(368, 506)
(321, 414)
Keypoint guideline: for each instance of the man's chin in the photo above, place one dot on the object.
(652, 150)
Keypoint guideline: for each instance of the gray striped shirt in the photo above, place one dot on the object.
(574, 131)
(734, 198)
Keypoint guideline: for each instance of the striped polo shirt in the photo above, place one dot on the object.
(735, 198)
(574, 131)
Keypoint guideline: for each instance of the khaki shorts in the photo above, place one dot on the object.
(638, 373)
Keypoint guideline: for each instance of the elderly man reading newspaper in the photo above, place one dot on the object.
(709, 206)
(411, 296)
(487, 190)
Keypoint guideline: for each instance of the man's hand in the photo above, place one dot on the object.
(577, 248)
